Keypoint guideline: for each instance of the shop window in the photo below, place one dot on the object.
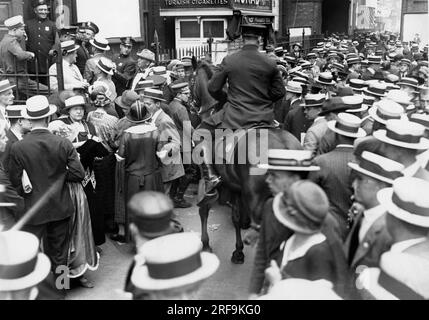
(189, 29)
(216, 28)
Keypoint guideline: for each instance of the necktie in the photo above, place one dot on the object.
(354, 243)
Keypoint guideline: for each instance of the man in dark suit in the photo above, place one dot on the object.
(254, 84)
(297, 123)
(369, 238)
(334, 176)
(50, 162)
(19, 128)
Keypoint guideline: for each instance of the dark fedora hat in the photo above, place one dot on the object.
(152, 213)
(335, 105)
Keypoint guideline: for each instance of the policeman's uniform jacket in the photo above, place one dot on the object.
(42, 35)
(254, 84)
(126, 69)
(83, 56)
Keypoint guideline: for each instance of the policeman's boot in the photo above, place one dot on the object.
(212, 180)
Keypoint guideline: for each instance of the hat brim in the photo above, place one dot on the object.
(385, 198)
(364, 108)
(294, 91)
(143, 281)
(325, 83)
(145, 58)
(8, 88)
(153, 98)
(105, 71)
(373, 93)
(76, 47)
(98, 47)
(369, 280)
(356, 167)
(119, 102)
(287, 168)
(373, 114)
(41, 271)
(408, 85)
(382, 136)
(287, 220)
(52, 110)
(360, 134)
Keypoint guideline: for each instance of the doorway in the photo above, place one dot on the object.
(335, 16)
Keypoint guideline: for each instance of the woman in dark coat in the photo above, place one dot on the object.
(309, 254)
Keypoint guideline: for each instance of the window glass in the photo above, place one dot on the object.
(189, 29)
(217, 29)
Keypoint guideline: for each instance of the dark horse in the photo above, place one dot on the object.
(248, 192)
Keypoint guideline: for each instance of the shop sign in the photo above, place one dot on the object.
(254, 5)
(189, 4)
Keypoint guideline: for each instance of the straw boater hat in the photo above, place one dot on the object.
(314, 100)
(378, 167)
(105, 65)
(302, 290)
(347, 125)
(37, 108)
(400, 97)
(100, 43)
(76, 101)
(21, 265)
(357, 85)
(404, 134)
(409, 82)
(144, 84)
(5, 85)
(355, 104)
(172, 262)
(326, 79)
(376, 89)
(152, 213)
(289, 160)
(420, 118)
(154, 94)
(15, 112)
(407, 201)
(401, 277)
(294, 87)
(69, 46)
(311, 207)
(386, 110)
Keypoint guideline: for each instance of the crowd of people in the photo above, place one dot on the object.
(106, 155)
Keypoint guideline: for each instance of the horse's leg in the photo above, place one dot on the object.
(204, 215)
(238, 255)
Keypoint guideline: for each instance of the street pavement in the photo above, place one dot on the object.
(230, 282)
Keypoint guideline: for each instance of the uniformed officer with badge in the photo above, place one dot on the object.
(42, 36)
(126, 65)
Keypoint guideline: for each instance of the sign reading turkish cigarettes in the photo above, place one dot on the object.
(255, 5)
(181, 4)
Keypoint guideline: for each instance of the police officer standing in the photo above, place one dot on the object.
(42, 35)
(126, 65)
